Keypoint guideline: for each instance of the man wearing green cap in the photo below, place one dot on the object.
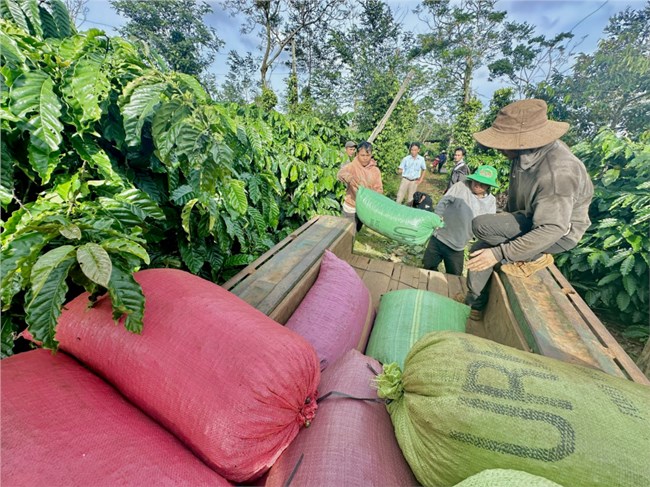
(464, 201)
(548, 199)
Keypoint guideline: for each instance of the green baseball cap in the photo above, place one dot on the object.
(486, 175)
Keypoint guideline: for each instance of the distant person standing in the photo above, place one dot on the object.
(350, 151)
(442, 158)
(460, 170)
(361, 171)
(412, 169)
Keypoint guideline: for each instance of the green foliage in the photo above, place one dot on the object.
(610, 265)
(119, 165)
(175, 28)
(611, 86)
(466, 123)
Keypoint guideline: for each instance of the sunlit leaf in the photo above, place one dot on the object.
(95, 263)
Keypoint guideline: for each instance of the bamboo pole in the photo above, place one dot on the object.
(392, 106)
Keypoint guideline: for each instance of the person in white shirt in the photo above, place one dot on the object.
(464, 201)
(412, 169)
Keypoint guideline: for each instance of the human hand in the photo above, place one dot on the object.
(480, 260)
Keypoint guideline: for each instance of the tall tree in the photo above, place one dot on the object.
(279, 21)
(610, 87)
(528, 59)
(175, 28)
(78, 10)
(239, 86)
(464, 36)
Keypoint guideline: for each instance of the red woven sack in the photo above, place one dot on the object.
(64, 426)
(231, 383)
(336, 315)
(351, 442)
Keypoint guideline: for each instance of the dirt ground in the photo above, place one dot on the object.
(371, 244)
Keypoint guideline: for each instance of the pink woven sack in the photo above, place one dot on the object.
(231, 383)
(351, 442)
(336, 314)
(64, 426)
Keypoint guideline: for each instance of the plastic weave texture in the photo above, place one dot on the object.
(64, 426)
(231, 383)
(405, 316)
(336, 313)
(351, 442)
(470, 404)
(499, 477)
(404, 224)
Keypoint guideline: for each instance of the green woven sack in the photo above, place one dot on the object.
(407, 315)
(498, 477)
(465, 404)
(401, 223)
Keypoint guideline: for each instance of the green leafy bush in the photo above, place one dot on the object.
(111, 164)
(610, 265)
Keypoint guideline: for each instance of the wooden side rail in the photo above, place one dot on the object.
(556, 322)
(278, 280)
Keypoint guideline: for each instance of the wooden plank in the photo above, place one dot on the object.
(438, 283)
(408, 276)
(377, 283)
(285, 281)
(547, 323)
(287, 257)
(499, 323)
(283, 311)
(455, 288)
(395, 277)
(280, 274)
(423, 281)
(599, 330)
(381, 266)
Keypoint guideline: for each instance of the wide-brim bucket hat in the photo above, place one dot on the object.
(522, 125)
(485, 174)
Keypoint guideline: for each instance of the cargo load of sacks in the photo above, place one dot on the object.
(231, 384)
(464, 404)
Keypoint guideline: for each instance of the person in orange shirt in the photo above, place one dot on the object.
(362, 171)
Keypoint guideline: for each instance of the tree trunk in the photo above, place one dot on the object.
(392, 106)
(467, 82)
(644, 360)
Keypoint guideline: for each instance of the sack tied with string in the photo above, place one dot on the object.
(351, 442)
(232, 384)
(465, 404)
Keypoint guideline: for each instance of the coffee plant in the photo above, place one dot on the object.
(111, 163)
(610, 265)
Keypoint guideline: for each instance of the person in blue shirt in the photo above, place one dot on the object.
(412, 169)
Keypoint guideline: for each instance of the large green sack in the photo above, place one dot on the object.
(407, 315)
(404, 224)
(465, 404)
(498, 477)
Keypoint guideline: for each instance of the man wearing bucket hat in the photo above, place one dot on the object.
(548, 199)
(464, 201)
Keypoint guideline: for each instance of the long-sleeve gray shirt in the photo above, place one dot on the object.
(459, 206)
(551, 186)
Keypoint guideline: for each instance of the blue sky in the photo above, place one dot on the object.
(587, 18)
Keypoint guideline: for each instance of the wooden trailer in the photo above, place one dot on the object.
(542, 314)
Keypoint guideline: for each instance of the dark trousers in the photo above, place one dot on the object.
(438, 252)
(492, 230)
